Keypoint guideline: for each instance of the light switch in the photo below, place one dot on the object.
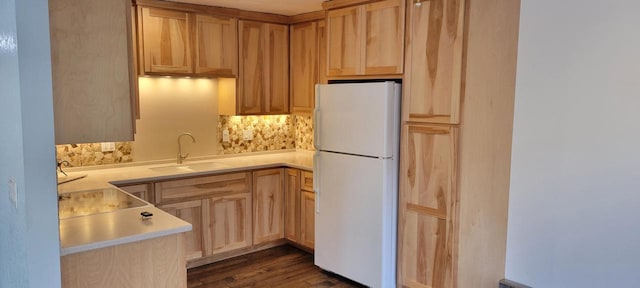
(247, 134)
(225, 135)
(108, 146)
(13, 193)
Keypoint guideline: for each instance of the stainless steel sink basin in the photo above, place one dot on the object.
(195, 167)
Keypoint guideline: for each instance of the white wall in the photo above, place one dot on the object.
(170, 106)
(575, 184)
(29, 241)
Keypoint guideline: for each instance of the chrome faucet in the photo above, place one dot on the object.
(180, 157)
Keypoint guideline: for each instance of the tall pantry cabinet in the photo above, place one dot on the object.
(459, 86)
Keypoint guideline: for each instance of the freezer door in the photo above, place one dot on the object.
(355, 217)
(358, 118)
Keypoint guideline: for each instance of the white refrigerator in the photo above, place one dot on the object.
(355, 177)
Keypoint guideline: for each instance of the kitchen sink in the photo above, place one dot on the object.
(195, 167)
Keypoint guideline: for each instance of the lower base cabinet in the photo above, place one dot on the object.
(300, 208)
(157, 262)
(229, 223)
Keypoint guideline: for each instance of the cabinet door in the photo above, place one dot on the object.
(142, 191)
(216, 45)
(384, 37)
(344, 37)
(166, 44)
(251, 90)
(192, 212)
(277, 101)
(92, 76)
(229, 223)
(268, 212)
(428, 207)
(304, 66)
(307, 219)
(291, 204)
(434, 62)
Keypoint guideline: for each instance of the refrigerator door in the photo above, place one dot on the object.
(357, 118)
(355, 217)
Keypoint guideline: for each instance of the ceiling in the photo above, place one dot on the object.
(283, 7)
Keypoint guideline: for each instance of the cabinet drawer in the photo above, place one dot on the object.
(306, 182)
(217, 185)
(142, 191)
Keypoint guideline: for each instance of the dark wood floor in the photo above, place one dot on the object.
(283, 266)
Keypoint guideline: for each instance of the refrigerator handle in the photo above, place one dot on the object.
(316, 128)
(316, 179)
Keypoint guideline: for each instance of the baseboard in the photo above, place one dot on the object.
(504, 283)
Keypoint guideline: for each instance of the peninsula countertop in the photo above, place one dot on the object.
(83, 233)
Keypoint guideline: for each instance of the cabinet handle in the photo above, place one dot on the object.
(316, 120)
(316, 178)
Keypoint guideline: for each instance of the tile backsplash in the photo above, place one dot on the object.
(273, 132)
(91, 154)
(304, 132)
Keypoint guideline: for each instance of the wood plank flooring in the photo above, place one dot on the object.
(283, 266)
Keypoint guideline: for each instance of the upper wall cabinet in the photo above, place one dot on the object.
(166, 41)
(366, 39)
(216, 45)
(307, 43)
(183, 43)
(434, 62)
(263, 82)
(92, 70)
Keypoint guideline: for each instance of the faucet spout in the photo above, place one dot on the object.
(181, 157)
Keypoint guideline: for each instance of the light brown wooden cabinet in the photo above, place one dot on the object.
(307, 219)
(166, 40)
(218, 207)
(300, 208)
(192, 212)
(429, 202)
(175, 42)
(216, 45)
(291, 204)
(93, 77)
(307, 43)
(455, 155)
(434, 63)
(268, 209)
(366, 39)
(229, 223)
(263, 81)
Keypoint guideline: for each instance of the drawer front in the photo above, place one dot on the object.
(198, 187)
(142, 191)
(306, 182)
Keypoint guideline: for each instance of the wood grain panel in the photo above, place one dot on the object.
(277, 101)
(216, 45)
(166, 41)
(142, 191)
(229, 223)
(292, 204)
(91, 75)
(344, 36)
(304, 66)
(322, 54)
(428, 207)
(251, 83)
(384, 32)
(485, 140)
(268, 212)
(307, 219)
(157, 262)
(190, 188)
(192, 212)
(307, 181)
(434, 50)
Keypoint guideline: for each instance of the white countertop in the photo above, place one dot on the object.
(101, 230)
